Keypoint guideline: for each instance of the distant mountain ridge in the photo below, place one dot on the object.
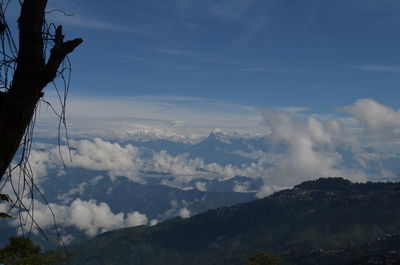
(330, 214)
(175, 180)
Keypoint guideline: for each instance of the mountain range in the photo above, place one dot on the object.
(153, 178)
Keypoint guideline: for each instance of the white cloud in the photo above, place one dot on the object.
(96, 180)
(267, 190)
(178, 208)
(162, 162)
(184, 170)
(378, 68)
(89, 217)
(241, 186)
(3, 208)
(123, 118)
(184, 213)
(154, 222)
(40, 162)
(376, 118)
(201, 185)
(128, 161)
(136, 218)
(102, 155)
(304, 149)
(299, 147)
(67, 239)
(68, 196)
(93, 218)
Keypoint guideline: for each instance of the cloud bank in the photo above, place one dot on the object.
(298, 147)
(89, 217)
(123, 118)
(376, 119)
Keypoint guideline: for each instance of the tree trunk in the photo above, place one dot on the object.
(32, 74)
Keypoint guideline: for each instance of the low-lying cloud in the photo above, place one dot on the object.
(129, 162)
(303, 149)
(123, 118)
(89, 217)
(298, 147)
(306, 148)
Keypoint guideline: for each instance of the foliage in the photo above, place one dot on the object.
(383, 250)
(262, 258)
(319, 217)
(22, 251)
(6, 198)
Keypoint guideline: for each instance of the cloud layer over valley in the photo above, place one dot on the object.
(360, 143)
(296, 146)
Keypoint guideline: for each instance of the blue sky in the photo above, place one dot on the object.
(272, 53)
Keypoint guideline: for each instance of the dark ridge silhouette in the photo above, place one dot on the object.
(326, 215)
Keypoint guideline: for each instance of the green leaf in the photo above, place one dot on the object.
(4, 215)
(5, 197)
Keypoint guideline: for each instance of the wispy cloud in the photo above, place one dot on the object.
(378, 68)
(82, 14)
(225, 9)
(232, 9)
(87, 22)
(176, 59)
(174, 51)
(250, 16)
(272, 69)
(190, 117)
(293, 109)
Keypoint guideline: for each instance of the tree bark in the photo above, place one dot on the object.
(32, 74)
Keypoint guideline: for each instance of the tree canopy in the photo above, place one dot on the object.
(262, 258)
(22, 251)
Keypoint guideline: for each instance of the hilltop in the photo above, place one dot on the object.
(322, 216)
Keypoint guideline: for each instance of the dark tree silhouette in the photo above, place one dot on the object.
(32, 74)
(22, 251)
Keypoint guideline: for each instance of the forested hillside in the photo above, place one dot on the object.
(314, 220)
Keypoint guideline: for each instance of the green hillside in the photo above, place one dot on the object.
(323, 216)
